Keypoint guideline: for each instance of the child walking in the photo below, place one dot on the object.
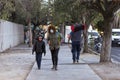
(39, 48)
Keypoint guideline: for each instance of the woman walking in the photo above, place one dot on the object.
(54, 40)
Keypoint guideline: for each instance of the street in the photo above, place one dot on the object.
(115, 53)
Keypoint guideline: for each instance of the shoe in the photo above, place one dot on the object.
(56, 68)
(53, 67)
(38, 68)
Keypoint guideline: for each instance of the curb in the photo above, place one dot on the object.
(93, 52)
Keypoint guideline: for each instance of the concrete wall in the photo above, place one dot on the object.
(11, 34)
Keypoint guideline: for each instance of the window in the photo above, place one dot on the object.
(93, 33)
(116, 33)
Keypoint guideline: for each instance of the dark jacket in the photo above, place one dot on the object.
(76, 36)
(39, 47)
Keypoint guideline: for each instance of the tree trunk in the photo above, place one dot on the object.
(63, 30)
(105, 56)
(30, 34)
(85, 34)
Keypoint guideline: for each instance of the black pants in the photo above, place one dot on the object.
(54, 54)
(38, 59)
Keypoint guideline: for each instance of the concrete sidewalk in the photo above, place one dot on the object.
(66, 69)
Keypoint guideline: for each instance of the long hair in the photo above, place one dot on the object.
(53, 28)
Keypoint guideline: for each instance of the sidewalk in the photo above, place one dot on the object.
(16, 63)
(66, 69)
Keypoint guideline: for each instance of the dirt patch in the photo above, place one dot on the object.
(107, 71)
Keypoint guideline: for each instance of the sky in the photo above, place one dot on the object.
(46, 0)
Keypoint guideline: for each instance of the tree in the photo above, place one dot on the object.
(27, 11)
(116, 22)
(68, 10)
(87, 17)
(6, 8)
(107, 8)
(72, 10)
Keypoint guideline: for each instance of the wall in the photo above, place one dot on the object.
(11, 34)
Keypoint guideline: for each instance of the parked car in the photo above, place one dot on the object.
(92, 35)
(115, 37)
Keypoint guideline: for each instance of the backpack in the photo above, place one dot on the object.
(77, 27)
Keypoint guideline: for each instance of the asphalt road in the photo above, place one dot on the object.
(115, 53)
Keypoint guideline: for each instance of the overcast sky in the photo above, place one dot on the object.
(46, 0)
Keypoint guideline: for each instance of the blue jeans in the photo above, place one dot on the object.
(75, 50)
(38, 59)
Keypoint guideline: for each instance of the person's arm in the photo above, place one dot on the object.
(44, 48)
(34, 48)
(69, 38)
(48, 40)
(60, 37)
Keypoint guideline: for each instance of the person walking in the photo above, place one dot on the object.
(54, 40)
(76, 38)
(39, 48)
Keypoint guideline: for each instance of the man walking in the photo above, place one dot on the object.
(75, 37)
